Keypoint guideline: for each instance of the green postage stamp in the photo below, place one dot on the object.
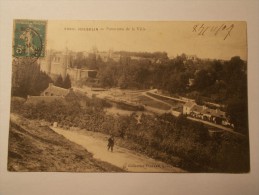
(29, 38)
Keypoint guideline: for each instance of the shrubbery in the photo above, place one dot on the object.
(161, 137)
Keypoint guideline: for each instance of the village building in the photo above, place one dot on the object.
(79, 74)
(54, 93)
(53, 90)
(204, 113)
(187, 107)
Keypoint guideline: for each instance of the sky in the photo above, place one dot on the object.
(215, 40)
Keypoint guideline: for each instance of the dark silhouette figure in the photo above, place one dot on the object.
(110, 143)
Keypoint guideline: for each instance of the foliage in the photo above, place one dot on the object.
(59, 81)
(238, 112)
(64, 83)
(217, 81)
(157, 55)
(67, 82)
(28, 79)
(161, 136)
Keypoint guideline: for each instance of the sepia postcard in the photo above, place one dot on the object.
(129, 96)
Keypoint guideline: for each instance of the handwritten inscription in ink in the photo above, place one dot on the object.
(216, 30)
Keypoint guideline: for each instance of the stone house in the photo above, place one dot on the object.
(53, 93)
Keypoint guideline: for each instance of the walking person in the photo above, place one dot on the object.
(110, 143)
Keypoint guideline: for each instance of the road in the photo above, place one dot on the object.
(128, 160)
(155, 99)
(168, 97)
(217, 126)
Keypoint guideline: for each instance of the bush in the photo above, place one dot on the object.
(17, 103)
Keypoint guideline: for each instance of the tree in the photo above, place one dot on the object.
(201, 79)
(236, 78)
(28, 79)
(108, 76)
(59, 81)
(237, 109)
(41, 83)
(217, 68)
(67, 82)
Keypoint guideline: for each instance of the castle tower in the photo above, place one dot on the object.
(56, 63)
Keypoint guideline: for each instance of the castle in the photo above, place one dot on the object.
(58, 63)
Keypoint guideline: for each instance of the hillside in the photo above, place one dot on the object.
(33, 146)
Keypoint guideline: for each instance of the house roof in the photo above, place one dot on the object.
(197, 108)
(190, 104)
(56, 91)
(208, 111)
(46, 99)
(219, 113)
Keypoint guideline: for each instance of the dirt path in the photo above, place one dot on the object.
(120, 157)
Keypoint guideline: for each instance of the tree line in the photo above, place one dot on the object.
(218, 81)
(28, 79)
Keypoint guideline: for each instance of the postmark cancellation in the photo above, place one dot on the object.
(29, 38)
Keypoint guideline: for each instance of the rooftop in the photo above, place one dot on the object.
(53, 90)
(46, 99)
(197, 108)
(190, 104)
(208, 111)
